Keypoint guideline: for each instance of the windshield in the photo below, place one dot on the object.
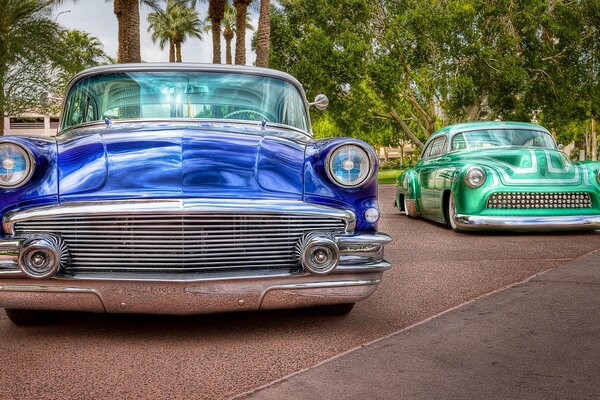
(502, 137)
(173, 95)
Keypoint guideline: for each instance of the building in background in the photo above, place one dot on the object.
(31, 124)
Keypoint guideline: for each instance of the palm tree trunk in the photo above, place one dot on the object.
(241, 7)
(178, 51)
(216, 10)
(171, 50)
(216, 39)
(264, 34)
(2, 101)
(128, 17)
(594, 140)
(228, 35)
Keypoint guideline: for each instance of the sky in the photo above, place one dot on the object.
(97, 18)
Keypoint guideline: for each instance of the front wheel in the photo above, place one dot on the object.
(451, 212)
(27, 317)
(410, 208)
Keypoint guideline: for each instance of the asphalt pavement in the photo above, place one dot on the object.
(536, 340)
(99, 356)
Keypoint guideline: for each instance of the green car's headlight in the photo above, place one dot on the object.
(16, 165)
(349, 165)
(598, 176)
(475, 177)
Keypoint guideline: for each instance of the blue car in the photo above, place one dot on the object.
(186, 189)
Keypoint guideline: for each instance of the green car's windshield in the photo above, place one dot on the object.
(502, 137)
(173, 95)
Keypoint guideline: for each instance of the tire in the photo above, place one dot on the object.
(411, 212)
(27, 317)
(335, 309)
(451, 212)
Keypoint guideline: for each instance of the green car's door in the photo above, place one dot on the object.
(429, 177)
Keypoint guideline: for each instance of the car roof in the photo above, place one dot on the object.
(185, 66)
(472, 126)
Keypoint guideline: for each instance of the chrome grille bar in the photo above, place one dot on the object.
(539, 200)
(182, 239)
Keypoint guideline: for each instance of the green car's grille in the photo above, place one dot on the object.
(539, 200)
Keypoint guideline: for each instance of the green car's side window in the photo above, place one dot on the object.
(458, 142)
(438, 146)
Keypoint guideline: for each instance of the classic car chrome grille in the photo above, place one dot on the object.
(180, 242)
(539, 200)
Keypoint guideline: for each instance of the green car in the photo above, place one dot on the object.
(500, 176)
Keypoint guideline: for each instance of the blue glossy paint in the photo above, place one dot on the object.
(42, 188)
(202, 161)
(318, 188)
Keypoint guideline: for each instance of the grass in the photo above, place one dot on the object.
(389, 175)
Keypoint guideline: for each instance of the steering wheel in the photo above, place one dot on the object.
(247, 111)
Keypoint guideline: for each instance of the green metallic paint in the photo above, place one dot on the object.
(508, 169)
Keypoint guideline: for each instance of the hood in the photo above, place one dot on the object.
(182, 161)
(524, 166)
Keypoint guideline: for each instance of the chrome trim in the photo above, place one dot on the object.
(326, 284)
(44, 289)
(375, 266)
(197, 123)
(332, 150)
(314, 244)
(363, 239)
(475, 222)
(204, 206)
(30, 164)
(187, 297)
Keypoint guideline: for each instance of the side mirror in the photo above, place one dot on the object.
(561, 147)
(321, 102)
(47, 97)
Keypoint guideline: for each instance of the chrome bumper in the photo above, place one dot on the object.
(528, 223)
(354, 279)
(172, 297)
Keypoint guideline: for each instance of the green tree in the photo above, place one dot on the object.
(79, 50)
(421, 65)
(174, 25)
(28, 38)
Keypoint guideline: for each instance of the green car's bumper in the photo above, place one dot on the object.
(526, 223)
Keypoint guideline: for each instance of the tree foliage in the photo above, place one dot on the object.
(37, 55)
(174, 25)
(28, 38)
(408, 67)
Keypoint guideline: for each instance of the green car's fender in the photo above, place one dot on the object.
(408, 193)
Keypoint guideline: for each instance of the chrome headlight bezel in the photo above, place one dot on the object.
(329, 165)
(598, 176)
(469, 175)
(29, 165)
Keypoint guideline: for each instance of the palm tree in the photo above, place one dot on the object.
(175, 24)
(216, 13)
(158, 23)
(241, 9)
(128, 18)
(263, 36)
(28, 35)
(229, 29)
(81, 51)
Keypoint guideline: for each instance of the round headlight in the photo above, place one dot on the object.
(475, 177)
(349, 165)
(598, 176)
(16, 165)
